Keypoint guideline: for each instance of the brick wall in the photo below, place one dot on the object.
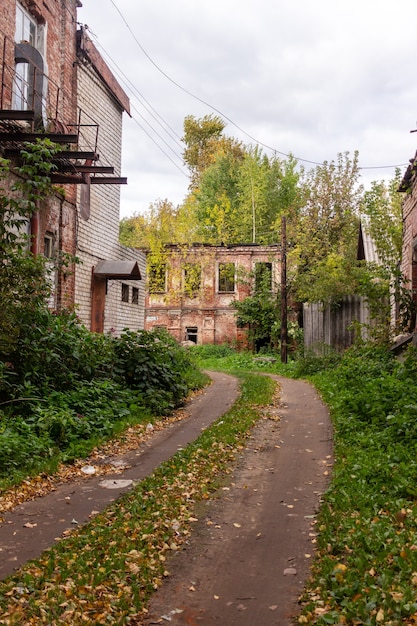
(409, 230)
(210, 312)
(57, 21)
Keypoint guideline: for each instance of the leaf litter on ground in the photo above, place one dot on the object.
(107, 570)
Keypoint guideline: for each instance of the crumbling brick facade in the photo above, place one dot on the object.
(201, 310)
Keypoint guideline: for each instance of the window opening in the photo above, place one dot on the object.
(191, 334)
(157, 278)
(48, 245)
(135, 295)
(26, 27)
(192, 279)
(263, 276)
(226, 277)
(125, 292)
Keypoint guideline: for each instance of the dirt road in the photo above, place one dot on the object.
(249, 557)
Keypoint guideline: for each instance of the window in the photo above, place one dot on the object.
(226, 277)
(191, 333)
(263, 277)
(29, 85)
(21, 87)
(192, 279)
(135, 295)
(48, 245)
(26, 27)
(157, 278)
(125, 292)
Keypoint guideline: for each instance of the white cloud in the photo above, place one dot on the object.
(313, 79)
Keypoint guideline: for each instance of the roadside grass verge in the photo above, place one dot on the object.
(365, 570)
(365, 567)
(106, 571)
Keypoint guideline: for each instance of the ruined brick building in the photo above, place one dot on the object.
(55, 84)
(191, 291)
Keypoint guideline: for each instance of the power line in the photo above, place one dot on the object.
(152, 111)
(192, 95)
(118, 72)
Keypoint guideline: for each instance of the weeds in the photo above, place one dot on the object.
(365, 571)
(107, 570)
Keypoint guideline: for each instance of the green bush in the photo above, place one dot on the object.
(154, 364)
(56, 352)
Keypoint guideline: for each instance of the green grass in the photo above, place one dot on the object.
(106, 571)
(365, 571)
(365, 567)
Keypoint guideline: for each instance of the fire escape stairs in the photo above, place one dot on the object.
(72, 164)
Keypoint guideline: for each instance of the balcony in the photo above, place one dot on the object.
(31, 108)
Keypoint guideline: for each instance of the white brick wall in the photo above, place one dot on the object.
(97, 237)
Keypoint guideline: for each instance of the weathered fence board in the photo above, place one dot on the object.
(332, 326)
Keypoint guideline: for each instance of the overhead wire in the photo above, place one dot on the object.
(123, 79)
(202, 101)
(151, 110)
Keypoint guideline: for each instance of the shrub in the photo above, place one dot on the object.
(57, 352)
(154, 364)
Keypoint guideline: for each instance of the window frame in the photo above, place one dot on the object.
(225, 283)
(191, 331)
(191, 276)
(125, 293)
(157, 278)
(260, 272)
(135, 295)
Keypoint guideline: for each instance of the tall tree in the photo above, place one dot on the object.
(326, 238)
(204, 141)
(382, 216)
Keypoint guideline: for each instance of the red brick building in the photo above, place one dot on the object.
(55, 84)
(190, 292)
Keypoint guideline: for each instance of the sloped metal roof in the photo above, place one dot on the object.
(118, 270)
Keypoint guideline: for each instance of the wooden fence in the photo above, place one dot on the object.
(332, 326)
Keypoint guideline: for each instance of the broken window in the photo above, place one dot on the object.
(263, 277)
(157, 278)
(192, 279)
(191, 334)
(226, 277)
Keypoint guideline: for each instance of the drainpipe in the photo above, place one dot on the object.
(34, 233)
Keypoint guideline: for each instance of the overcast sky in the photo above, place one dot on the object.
(308, 78)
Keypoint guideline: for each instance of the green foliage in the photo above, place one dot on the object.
(322, 261)
(66, 389)
(192, 279)
(311, 362)
(56, 352)
(365, 561)
(154, 364)
(23, 287)
(261, 312)
(204, 142)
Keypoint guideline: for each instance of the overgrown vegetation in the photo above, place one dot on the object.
(68, 389)
(365, 570)
(107, 570)
(64, 389)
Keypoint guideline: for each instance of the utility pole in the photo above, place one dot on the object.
(284, 305)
